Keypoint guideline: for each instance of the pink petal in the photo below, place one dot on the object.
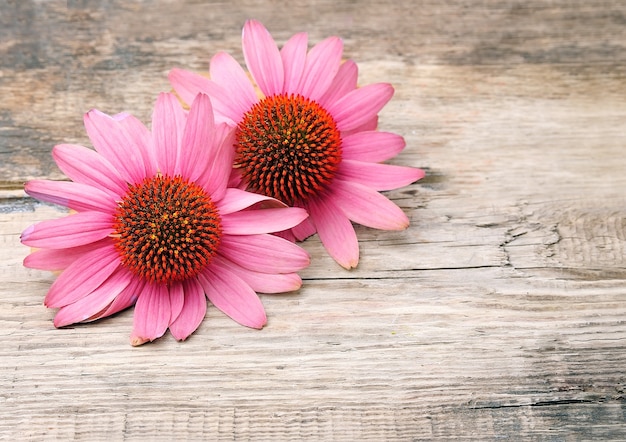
(70, 231)
(188, 85)
(177, 299)
(83, 276)
(111, 140)
(336, 232)
(76, 196)
(59, 259)
(345, 81)
(262, 58)
(366, 126)
(193, 311)
(360, 105)
(168, 122)
(303, 230)
(152, 314)
(322, 65)
(86, 166)
(217, 170)
(259, 281)
(123, 300)
(367, 207)
(264, 253)
(235, 200)
(197, 142)
(91, 304)
(371, 146)
(229, 293)
(225, 71)
(293, 55)
(378, 176)
(139, 135)
(262, 221)
(286, 234)
(235, 179)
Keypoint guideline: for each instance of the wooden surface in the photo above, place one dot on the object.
(499, 314)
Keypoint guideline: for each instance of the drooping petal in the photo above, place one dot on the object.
(70, 231)
(321, 67)
(197, 142)
(293, 55)
(235, 200)
(336, 232)
(59, 259)
(286, 234)
(303, 230)
(111, 140)
(368, 207)
(262, 58)
(86, 166)
(252, 222)
(264, 253)
(123, 300)
(378, 176)
(152, 314)
(345, 81)
(93, 303)
(168, 122)
(193, 311)
(177, 299)
(229, 293)
(259, 281)
(76, 196)
(360, 105)
(188, 85)
(228, 73)
(83, 276)
(371, 146)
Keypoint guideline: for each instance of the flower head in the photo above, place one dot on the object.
(156, 224)
(309, 137)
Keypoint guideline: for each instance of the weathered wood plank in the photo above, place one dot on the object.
(498, 314)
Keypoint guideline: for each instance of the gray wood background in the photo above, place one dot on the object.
(499, 314)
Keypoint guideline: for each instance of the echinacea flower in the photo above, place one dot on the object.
(156, 225)
(309, 137)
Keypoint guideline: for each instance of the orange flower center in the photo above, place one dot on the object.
(288, 147)
(167, 229)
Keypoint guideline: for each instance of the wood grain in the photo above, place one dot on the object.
(499, 314)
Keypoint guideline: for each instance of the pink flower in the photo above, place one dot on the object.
(310, 139)
(156, 225)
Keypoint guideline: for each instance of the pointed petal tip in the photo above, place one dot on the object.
(349, 264)
(136, 341)
(253, 23)
(174, 73)
(26, 233)
(91, 113)
(402, 223)
(56, 322)
(297, 285)
(259, 324)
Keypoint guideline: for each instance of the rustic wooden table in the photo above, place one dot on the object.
(500, 312)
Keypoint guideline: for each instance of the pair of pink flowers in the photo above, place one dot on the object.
(209, 202)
